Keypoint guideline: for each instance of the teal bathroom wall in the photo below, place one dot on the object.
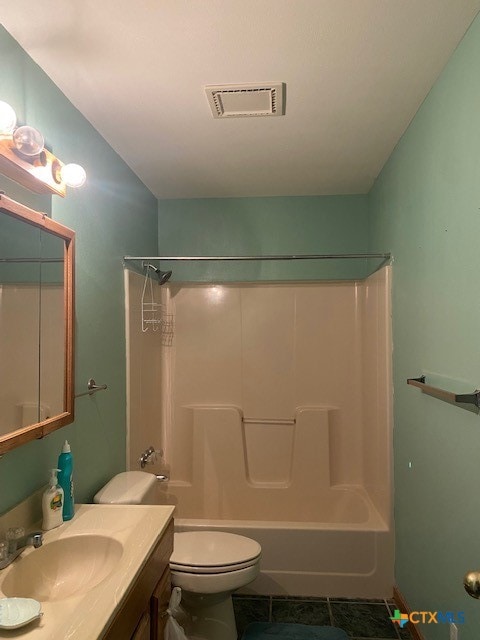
(426, 209)
(113, 214)
(263, 226)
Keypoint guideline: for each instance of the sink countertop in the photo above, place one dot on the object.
(86, 616)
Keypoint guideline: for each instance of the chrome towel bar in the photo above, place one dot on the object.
(448, 396)
(92, 387)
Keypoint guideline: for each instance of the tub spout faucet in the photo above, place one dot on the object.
(16, 546)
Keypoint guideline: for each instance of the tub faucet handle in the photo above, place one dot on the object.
(149, 456)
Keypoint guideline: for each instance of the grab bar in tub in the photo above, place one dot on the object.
(268, 421)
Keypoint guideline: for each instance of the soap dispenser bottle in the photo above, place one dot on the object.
(52, 503)
(65, 480)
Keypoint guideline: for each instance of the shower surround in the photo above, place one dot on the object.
(272, 403)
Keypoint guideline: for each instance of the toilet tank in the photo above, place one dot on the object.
(129, 487)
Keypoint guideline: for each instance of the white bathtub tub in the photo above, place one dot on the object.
(337, 546)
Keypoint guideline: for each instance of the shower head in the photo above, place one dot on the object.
(163, 276)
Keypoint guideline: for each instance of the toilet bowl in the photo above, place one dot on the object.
(208, 566)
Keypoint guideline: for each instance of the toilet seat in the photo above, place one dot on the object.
(212, 552)
(185, 568)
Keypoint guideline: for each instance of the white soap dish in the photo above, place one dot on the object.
(17, 612)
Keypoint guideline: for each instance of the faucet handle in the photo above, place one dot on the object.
(149, 456)
(15, 546)
(13, 535)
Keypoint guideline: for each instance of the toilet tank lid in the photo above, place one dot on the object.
(129, 487)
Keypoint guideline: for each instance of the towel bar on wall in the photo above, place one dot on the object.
(92, 387)
(449, 396)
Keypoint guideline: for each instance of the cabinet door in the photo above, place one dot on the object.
(159, 606)
(142, 632)
(139, 598)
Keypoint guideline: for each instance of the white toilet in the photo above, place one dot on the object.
(207, 565)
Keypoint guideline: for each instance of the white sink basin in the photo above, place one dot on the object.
(84, 571)
(63, 568)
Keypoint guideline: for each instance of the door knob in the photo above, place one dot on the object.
(471, 583)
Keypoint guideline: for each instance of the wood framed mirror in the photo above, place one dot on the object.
(36, 324)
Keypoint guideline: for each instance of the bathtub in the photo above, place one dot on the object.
(337, 546)
(245, 479)
(274, 415)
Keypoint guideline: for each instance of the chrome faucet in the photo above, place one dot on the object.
(17, 546)
(149, 456)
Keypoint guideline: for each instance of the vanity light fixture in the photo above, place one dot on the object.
(73, 175)
(24, 159)
(28, 141)
(8, 118)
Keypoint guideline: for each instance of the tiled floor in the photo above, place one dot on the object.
(358, 618)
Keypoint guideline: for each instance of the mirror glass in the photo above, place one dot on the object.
(51, 328)
(36, 324)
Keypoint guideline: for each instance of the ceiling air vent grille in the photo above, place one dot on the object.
(243, 101)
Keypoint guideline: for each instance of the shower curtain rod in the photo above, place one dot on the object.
(11, 260)
(331, 256)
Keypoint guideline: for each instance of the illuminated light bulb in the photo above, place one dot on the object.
(8, 118)
(73, 175)
(28, 141)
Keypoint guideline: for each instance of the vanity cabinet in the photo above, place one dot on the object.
(143, 614)
(159, 605)
(142, 632)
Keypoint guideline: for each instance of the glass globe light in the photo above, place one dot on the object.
(8, 118)
(73, 175)
(28, 141)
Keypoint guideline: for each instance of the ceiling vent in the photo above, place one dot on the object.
(242, 101)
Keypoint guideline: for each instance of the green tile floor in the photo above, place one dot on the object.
(361, 619)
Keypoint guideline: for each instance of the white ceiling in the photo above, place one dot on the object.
(356, 72)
